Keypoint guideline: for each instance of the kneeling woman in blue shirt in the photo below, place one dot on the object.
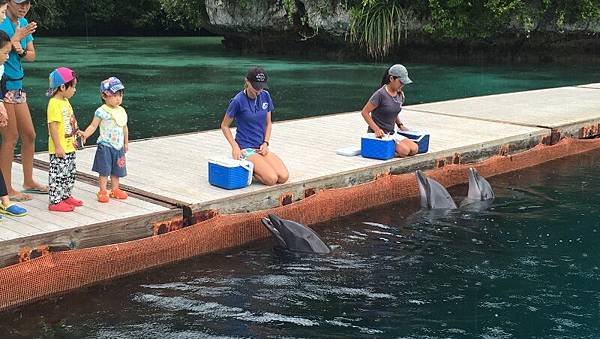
(251, 109)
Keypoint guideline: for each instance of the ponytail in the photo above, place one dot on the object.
(386, 77)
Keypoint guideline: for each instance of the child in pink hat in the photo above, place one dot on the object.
(63, 130)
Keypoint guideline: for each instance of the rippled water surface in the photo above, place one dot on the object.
(527, 267)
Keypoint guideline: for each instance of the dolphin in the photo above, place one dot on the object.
(433, 194)
(294, 236)
(480, 191)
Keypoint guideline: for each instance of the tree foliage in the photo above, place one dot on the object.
(374, 28)
(188, 14)
(378, 26)
(103, 17)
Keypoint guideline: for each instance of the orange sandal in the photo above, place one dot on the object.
(117, 193)
(102, 196)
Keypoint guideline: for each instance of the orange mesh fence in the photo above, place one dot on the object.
(55, 273)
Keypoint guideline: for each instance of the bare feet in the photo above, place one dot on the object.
(35, 189)
(18, 196)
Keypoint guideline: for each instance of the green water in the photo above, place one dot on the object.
(526, 267)
(178, 85)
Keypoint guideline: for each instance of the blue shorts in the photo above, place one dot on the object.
(109, 161)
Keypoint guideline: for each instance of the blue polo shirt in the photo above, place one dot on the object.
(250, 117)
(13, 71)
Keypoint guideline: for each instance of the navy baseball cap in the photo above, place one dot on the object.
(258, 78)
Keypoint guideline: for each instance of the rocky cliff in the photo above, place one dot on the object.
(320, 26)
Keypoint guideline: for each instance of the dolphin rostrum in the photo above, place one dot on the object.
(433, 194)
(480, 189)
(294, 236)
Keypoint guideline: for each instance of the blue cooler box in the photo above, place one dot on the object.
(376, 148)
(230, 174)
(421, 138)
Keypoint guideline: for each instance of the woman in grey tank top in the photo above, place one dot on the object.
(382, 110)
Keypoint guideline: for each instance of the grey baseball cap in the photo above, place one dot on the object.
(21, 1)
(400, 71)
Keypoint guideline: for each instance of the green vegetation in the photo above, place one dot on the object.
(103, 17)
(379, 26)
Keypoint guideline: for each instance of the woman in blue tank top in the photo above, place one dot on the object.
(251, 110)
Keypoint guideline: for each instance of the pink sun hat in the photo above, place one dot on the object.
(58, 77)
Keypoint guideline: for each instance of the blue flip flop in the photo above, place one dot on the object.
(13, 210)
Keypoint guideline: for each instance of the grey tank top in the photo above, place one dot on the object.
(386, 110)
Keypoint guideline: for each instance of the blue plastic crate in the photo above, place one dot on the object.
(422, 139)
(230, 174)
(375, 148)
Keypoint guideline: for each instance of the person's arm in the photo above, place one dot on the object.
(236, 152)
(400, 124)
(24, 33)
(398, 121)
(90, 129)
(29, 56)
(264, 147)
(53, 129)
(366, 114)
(126, 138)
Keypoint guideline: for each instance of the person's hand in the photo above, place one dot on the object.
(60, 152)
(83, 137)
(264, 149)
(22, 32)
(236, 153)
(379, 133)
(3, 116)
(402, 127)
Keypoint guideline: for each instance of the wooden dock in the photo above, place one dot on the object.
(169, 181)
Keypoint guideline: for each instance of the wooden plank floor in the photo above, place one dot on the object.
(175, 168)
(40, 221)
(552, 108)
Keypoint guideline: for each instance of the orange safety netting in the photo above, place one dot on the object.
(55, 273)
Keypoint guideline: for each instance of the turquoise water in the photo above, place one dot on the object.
(178, 85)
(527, 267)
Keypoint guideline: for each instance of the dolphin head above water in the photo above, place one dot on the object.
(479, 188)
(481, 195)
(433, 194)
(294, 236)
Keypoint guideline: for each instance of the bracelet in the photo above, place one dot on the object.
(266, 142)
(22, 55)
